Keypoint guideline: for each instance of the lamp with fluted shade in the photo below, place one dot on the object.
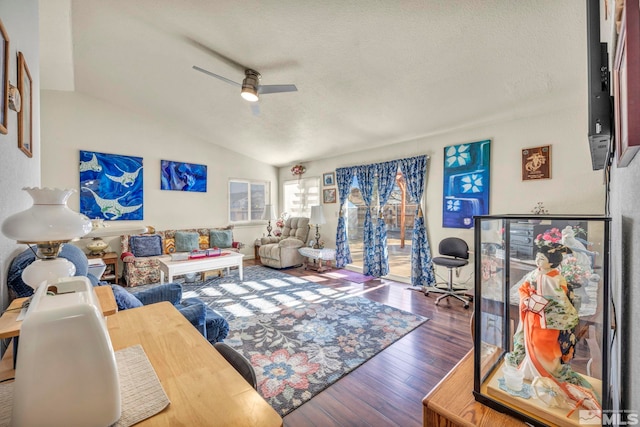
(48, 224)
(269, 214)
(317, 218)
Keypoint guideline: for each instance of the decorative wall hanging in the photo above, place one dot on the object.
(329, 195)
(298, 170)
(180, 176)
(466, 183)
(111, 186)
(536, 163)
(626, 87)
(25, 115)
(328, 179)
(4, 79)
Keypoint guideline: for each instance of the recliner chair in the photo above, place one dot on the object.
(456, 254)
(282, 251)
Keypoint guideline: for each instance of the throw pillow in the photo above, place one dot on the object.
(220, 238)
(124, 298)
(186, 241)
(142, 246)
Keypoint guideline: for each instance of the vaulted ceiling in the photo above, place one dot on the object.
(368, 73)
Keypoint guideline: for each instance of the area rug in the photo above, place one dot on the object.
(299, 336)
(349, 275)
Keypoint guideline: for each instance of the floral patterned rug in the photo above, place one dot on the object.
(299, 336)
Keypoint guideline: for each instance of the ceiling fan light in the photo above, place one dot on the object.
(249, 92)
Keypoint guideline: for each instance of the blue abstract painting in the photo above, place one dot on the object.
(111, 186)
(183, 176)
(466, 183)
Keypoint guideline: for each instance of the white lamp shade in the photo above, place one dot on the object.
(48, 220)
(317, 215)
(47, 270)
(269, 213)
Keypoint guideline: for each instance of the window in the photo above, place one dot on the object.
(300, 195)
(247, 200)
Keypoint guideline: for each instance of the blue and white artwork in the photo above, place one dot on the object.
(183, 176)
(466, 183)
(111, 186)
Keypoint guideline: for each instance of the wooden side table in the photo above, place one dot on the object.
(451, 402)
(111, 262)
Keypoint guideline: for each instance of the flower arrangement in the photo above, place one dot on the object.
(574, 272)
(551, 237)
(298, 170)
(280, 224)
(539, 209)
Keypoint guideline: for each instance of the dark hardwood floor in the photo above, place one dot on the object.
(388, 389)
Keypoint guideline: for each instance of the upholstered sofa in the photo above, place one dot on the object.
(141, 254)
(210, 323)
(282, 251)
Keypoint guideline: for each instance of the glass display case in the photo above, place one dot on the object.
(541, 321)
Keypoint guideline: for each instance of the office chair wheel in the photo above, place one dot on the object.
(466, 306)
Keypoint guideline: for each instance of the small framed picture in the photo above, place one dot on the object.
(329, 195)
(25, 124)
(536, 163)
(328, 179)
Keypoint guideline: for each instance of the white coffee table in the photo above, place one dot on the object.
(173, 268)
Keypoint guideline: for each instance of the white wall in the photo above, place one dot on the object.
(20, 19)
(625, 239)
(574, 188)
(72, 122)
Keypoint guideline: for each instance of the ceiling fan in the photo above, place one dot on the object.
(251, 87)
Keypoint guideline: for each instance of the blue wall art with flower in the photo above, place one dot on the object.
(466, 183)
(111, 186)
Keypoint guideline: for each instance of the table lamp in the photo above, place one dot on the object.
(317, 218)
(269, 214)
(48, 224)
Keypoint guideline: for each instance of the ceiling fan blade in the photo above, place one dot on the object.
(265, 89)
(224, 79)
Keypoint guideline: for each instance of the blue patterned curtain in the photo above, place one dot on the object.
(386, 172)
(344, 178)
(414, 170)
(366, 179)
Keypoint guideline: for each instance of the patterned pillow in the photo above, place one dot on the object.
(186, 241)
(142, 246)
(220, 238)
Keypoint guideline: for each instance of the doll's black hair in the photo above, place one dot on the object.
(554, 253)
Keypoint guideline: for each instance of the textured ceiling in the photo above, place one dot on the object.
(369, 73)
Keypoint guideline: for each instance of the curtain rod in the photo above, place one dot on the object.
(384, 161)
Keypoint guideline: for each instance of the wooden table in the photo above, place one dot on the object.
(451, 402)
(111, 261)
(226, 260)
(203, 387)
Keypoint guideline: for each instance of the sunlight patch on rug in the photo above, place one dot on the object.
(299, 336)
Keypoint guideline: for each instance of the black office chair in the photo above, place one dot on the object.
(239, 362)
(456, 254)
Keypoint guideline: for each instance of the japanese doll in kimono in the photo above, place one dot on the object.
(544, 340)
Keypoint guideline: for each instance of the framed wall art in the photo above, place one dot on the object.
(626, 86)
(4, 79)
(329, 195)
(179, 176)
(25, 115)
(328, 179)
(536, 163)
(111, 186)
(466, 183)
